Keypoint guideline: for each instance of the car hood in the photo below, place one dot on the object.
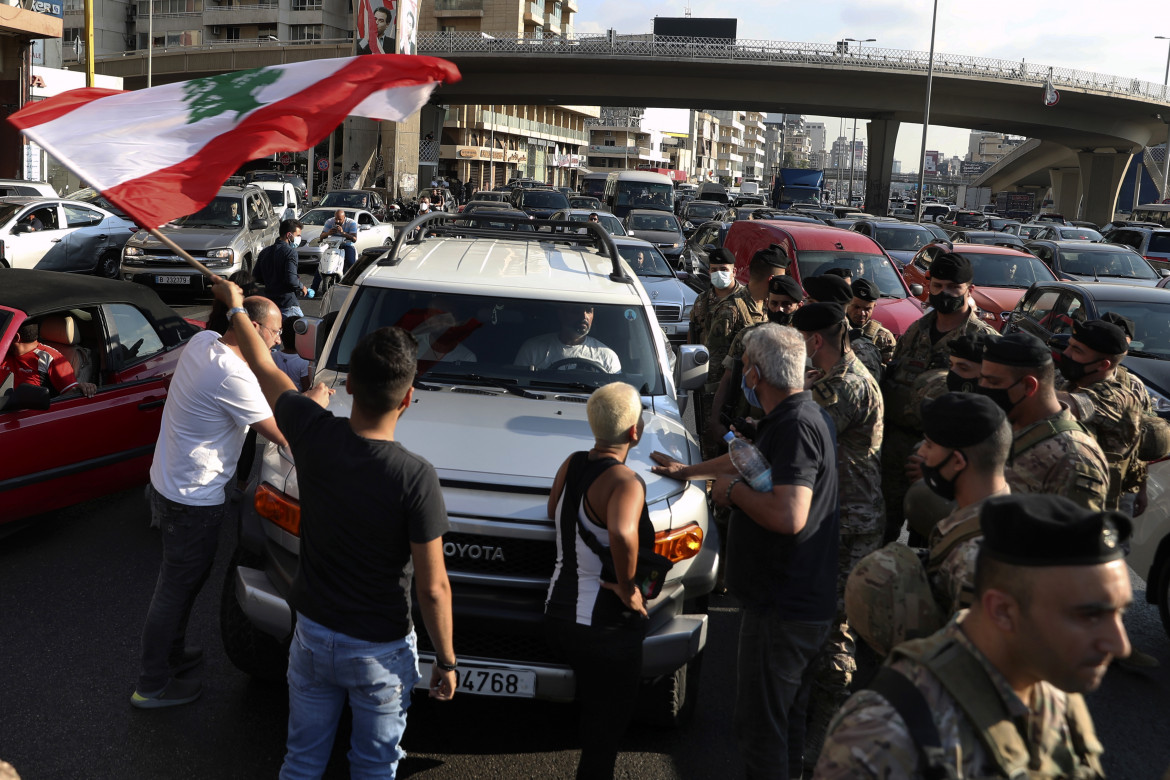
(903, 256)
(897, 314)
(1152, 371)
(507, 440)
(997, 299)
(663, 289)
(309, 234)
(187, 238)
(658, 236)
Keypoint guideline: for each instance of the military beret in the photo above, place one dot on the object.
(828, 288)
(1101, 336)
(1039, 529)
(817, 316)
(786, 285)
(721, 255)
(866, 290)
(952, 268)
(842, 272)
(1017, 349)
(960, 419)
(1121, 321)
(773, 256)
(969, 346)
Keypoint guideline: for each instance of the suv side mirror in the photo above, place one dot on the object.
(691, 369)
(259, 223)
(31, 397)
(916, 290)
(307, 345)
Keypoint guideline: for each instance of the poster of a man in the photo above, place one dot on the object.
(376, 25)
(407, 26)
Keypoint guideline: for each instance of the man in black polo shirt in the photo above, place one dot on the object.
(781, 550)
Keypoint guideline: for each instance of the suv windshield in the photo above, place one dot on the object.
(653, 222)
(1006, 270)
(542, 199)
(697, 210)
(8, 211)
(319, 216)
(224, 211)
(517, 342)
(1151, 336)
(276, 196)
(651, 263)
(352, 200)
(902, 239)
(1119, 263)
(612, 224)
(876, 268)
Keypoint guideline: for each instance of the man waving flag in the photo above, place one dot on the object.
(164, 152)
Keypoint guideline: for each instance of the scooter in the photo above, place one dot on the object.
(332, 264)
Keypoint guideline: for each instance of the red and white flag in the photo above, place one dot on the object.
(164, 152)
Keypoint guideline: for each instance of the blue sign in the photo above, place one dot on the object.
(47, 7)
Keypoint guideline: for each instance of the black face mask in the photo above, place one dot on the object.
(779, 317)
(947, 304)
(957, 384)
(1001, 397)
(1070, 369)
(932, 475)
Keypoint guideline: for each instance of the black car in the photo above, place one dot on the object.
(901, 240)
(697, 253)
(1087, 261)
(541, 203)
(991, 238)
(1151, 243)
(1049, 309)
(696, 212)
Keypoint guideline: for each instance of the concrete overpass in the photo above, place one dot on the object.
(1101, 121)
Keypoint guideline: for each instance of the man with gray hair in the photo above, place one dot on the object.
(781, 550)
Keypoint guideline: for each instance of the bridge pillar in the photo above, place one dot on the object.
(400, 157)
(1101, 174)
(881, 136)
(1066, 190)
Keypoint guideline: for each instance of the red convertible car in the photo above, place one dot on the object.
(118, 336)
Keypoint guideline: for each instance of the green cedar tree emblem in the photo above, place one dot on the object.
(209, 97)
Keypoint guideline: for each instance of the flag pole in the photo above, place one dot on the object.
(178, 250)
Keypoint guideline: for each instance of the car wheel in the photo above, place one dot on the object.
(248, 648)
(107, 265)
(669, 701)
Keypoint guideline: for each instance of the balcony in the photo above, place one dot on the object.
(730, 157)
(534, 13)
(596, 150)
(449, 9)
(730, 139)
(237, 14)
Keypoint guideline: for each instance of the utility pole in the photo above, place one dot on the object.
(89, 43)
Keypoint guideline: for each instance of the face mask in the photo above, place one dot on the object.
(947, 304)
(957, 384)
(779, 317)
(1001, 397)
(809, 354)
(424, 207)
(749, 393)
(721, 279)
(932, 475)
(1070, 369)
(295, 242)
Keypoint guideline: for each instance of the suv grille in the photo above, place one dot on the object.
(500, 556)
(667, 312)
(498, 646)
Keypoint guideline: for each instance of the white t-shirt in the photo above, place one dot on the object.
(293, 365)
(212, 399)
(544, 350)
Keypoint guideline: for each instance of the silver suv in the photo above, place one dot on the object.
(226, 235)
(496, 428)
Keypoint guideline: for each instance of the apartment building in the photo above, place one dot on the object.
(754, 143)
(619, 139)
(704, 132)
(530, 18)
(990, 147)
(729, 157)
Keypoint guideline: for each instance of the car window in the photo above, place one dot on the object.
(645, 260)
(136, 337)
(652, 222)
(1045, 254)
(46, 214)
(707, 237)
(1007, 270)
(1039, 308)
(79, 216)
(1127, 237)
(1079, 234)
(216, 214)
(1120, 264)
(902, 239)
(875, 268)
(1160, 243)
(365, 219)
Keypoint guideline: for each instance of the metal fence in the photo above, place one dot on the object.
(814, 54)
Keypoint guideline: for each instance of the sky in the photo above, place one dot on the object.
(1085, 34)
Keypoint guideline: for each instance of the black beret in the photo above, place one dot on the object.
(866, 290)
(721, 255)
(817, 316)
(828, 288)
(773, 256)
(1017, 349)
(1101, 336)
(952, 268)
(1041, 529)
(960, 419)
(969, 346)
(842, 272)
(785, 285)
(1123, 322)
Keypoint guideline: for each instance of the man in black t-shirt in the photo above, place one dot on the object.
(781, 550)
(372, 515)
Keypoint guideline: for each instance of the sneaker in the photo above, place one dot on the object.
(174, 693)
(192, 657)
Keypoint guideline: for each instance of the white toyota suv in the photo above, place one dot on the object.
(496, 429)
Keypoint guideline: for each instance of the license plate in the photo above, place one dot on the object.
(172, 279)
(484, 681)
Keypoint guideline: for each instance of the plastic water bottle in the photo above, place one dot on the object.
(751, 465)
(311, 293)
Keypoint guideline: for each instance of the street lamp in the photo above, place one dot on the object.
(926, 116)
(859, 42)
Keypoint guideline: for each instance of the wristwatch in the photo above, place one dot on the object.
(731, 486)
(232, 312)
(446, 667)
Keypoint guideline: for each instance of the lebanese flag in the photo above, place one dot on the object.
(164, 152)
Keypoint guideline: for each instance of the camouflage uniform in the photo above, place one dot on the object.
(1070, 463)
(714, 324)
(868, 354)
(741, 408)
(869, 738)
(928, 386)
(951, 567)
(880, 336)
(914, 354)
(1111, 409)
(1137, 472)
(851, 397)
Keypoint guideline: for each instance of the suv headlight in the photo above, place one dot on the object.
(1160, 402)
(220, 258)
(132, 251)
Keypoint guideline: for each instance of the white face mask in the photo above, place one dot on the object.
(424, 206)
(721, 279)
(295, 242)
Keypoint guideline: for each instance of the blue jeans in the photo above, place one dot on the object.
(324, 668)
(190, 536)
(773, 681)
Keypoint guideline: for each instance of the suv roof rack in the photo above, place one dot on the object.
(439, 224)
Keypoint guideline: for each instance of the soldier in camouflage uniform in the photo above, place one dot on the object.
(1105, 401)
(832, 288)
(860, 314)
(718, 314)
(966, 356)
(1041, 556)
(1051, 452)
(843, 387)
(924, 346)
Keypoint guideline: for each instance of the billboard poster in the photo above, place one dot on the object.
(407, 31)
(385, 26)
(930, 163)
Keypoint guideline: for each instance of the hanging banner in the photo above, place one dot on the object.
(385, 26)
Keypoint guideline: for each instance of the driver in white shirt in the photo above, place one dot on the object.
(571, 346)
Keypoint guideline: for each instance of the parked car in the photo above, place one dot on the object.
(74, 236)
(226, 235)
(1051, 217)
(119, 336)
(696, 212)
(672, 300)
(364, 200)
(967, 219)
(33, 189)
(584, 202)
(371, 232)
(540, 203)
(1002, 274)
(1030, 230)
(296, 180)
(1087, 261)
(702, 242)
(1067, 233)
(612, 224)
(989, 237)
(1151, 243)
(900, 239)
(659, 228)
(283, 197)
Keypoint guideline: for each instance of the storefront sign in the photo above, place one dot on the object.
(467, 152)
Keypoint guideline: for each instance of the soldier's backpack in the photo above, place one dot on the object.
(968, 683)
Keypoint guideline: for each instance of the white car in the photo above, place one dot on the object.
(1149, 551)
(73, 236)
(371, 232)
(283, 196)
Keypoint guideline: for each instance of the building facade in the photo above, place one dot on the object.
(704, 131)
(990, 147)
